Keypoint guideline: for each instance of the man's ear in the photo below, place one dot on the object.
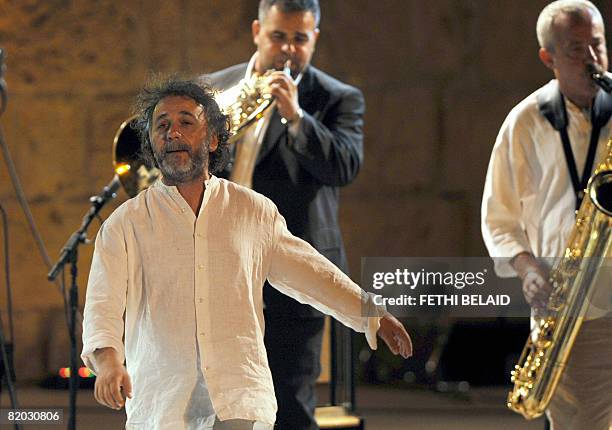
(547, 58)
(214, 143)
(255, 29)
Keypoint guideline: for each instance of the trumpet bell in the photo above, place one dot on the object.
(127, 156)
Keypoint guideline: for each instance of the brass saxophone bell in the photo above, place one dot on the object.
(245, 102)
(543, 359)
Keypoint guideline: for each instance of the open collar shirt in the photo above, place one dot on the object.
(529, 203)
(185, 292)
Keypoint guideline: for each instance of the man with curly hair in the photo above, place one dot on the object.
(178, 271)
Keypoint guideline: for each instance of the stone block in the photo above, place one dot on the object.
(396, 39)
(402, 225)
(30, 337)
(511, 57)
(77, 46)
(400, 142)
(45, 136)
(219, 36)
(473, 116)
(56, 221)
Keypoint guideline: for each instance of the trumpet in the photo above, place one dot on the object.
(245, 104)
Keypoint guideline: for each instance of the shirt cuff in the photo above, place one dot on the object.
(294, 127)
(373, 314)
(87, 355)
(503, 266)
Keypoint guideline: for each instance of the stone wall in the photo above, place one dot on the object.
(438, 76)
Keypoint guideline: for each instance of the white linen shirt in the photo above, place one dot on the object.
(191, 289)
(529, 203)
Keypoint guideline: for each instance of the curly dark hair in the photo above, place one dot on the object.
(198, 90)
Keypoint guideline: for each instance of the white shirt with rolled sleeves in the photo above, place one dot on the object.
(191, 290)
(528, 203)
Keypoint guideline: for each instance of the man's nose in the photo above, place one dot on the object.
(174, 132)
(288, 47)
(592, 56)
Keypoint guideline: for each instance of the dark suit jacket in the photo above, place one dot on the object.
(302, 175)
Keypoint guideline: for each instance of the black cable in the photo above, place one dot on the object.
(9, 369)
(7, 276)
(7, 365)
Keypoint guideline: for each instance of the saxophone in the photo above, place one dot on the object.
(246, 105)
(547, 350)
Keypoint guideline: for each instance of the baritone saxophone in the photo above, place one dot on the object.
(547, 350)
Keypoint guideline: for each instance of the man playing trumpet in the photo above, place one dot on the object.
(310, 145)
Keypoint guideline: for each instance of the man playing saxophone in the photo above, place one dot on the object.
(310, 145)
(541, 161)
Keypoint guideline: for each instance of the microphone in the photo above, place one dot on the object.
(601, 77)
(109, 192)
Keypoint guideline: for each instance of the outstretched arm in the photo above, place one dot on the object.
(298, 270)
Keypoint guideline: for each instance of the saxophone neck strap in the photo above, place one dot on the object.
(551, 104)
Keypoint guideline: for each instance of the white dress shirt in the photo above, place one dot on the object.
(529, 202)
(191, 290)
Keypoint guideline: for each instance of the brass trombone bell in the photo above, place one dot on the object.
(126, 156)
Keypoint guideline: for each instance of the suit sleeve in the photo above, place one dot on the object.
(331, 150)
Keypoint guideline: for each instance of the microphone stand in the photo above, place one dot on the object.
(70, 255)
(8, 369)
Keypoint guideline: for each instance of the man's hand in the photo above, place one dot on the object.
(284, 89)
(395, 336)
(536, 288)
(111, 378)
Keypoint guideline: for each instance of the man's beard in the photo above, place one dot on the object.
(176, 172)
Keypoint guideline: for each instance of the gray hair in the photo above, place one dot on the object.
(549, 14)
(290, 6)
(160, 87)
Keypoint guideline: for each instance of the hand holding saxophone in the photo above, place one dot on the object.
(536, 287)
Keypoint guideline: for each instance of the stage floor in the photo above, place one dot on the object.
(382, 408)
